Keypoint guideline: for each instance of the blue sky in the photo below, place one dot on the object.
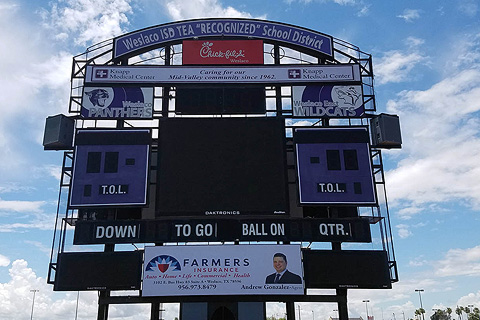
(426, 60)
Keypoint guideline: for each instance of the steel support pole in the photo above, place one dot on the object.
(155, 311)
(102, 294)
(290, 306)
(342, 304)
(102, 308)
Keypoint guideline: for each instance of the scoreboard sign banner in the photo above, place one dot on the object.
(222, 270)
(334, 166)
(339, 101)
(203, 230)
(339, 73)
(117, 103)
(110, 168)
(222, 52)
(145, 39)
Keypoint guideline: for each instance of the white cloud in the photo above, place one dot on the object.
(407, 213)
(37, 221)
(26, 215)
(40, 246)
(396, 66)
(363, 9)
(51, 170)
(16, 293)
(34, 83)
(441, 144)
(180, 9)
(340, 2)
(403, 231)
(21, 206)
(88, 21)
(468, 259)
(15, 187)
(468, 7)
(16, 300)
(409, 15)
(418, 262)
(4, 261)
(465, 53)
(8, 6)
(414, 42)
(345, 2)
(469, 299)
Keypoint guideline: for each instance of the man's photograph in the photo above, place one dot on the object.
(281, 274)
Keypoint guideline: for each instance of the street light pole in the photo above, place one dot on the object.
(366, 306)
(313, 315)
(299, 316)
(33, 301)
(421, 304)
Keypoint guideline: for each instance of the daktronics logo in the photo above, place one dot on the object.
(223, 52)
(163, 264)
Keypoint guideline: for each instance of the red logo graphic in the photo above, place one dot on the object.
(163, 267)
(222, 52)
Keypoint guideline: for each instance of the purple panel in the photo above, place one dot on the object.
(337, 101)
(117, 103)
(113, 174)
(335, 172)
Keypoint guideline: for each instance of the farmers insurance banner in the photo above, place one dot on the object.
(222, 270)
(339, 73)
(327, 101)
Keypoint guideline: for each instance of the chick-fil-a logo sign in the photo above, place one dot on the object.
(207, 51)
(222, 52)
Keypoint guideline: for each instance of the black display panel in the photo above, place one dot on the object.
(221, 167)
(201, 229)
(220, 100)
(346, 269)
(98, 271)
